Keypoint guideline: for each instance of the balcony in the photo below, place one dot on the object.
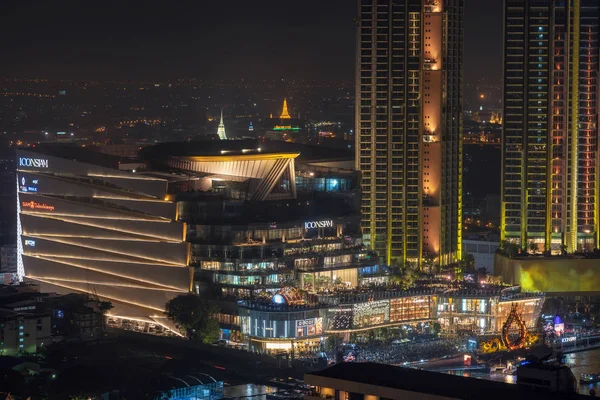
(432, 6)
(430, 137)
(430, 64)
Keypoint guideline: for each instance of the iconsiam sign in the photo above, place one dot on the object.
(318, 224)
(33, 162)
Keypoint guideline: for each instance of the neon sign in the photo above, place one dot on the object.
(26, 188)
(29, 242)
(318, 224)
(33, 162)
(37, 206)
(568, 339)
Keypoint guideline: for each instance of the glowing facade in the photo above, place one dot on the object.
(550, 132)
(284, 111)
(408, 121)
(266, 170)
(221, 128)
(280, 325)
(101, 231)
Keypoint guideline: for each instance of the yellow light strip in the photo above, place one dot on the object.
(241, 157)
(95, 294)
(133, 177)
(110, 228)
(113, 273)
(574, 127)
(87, 282)
(60, 256)
(125, 239)
(132, 199)
(120, 218)
(150, 320)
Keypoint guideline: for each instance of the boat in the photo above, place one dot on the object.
(589, 378)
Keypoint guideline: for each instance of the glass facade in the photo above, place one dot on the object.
(329, 184)
(466, 312)
(281, 325)
(485, 314)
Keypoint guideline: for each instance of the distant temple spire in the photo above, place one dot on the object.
(284, 111)
(221, 128)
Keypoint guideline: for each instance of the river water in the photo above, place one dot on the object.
(585, 362)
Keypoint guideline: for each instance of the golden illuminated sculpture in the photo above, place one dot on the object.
(514, 318)
(504, 342)
(492, 346)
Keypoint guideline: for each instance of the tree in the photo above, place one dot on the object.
(196, 316)
(508, 248)
(404, 276)
(468, 262)
(428, 262)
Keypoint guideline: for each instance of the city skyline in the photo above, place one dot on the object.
(304, 199)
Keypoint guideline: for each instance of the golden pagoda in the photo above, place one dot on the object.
(284, 111)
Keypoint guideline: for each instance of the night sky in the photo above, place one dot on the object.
(220, 39)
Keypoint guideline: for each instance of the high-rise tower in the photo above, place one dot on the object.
(550, 132)
(409, 119)
(221, 128)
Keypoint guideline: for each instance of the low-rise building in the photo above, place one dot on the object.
(8, 259)
(23, 332)
(69, 317)
(482, 251)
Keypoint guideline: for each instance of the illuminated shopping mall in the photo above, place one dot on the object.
(86, 225)
(290, 321)
(262, 215)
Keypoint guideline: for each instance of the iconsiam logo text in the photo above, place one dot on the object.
(33, 162)
(318, 224)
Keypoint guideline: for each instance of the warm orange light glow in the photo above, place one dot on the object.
(36, 206)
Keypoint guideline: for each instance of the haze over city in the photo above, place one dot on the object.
(340, 199)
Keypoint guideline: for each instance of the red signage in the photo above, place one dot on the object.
(37, 206)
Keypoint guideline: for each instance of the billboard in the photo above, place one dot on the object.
(550, 274)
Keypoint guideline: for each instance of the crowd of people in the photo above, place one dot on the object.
(390, 352)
